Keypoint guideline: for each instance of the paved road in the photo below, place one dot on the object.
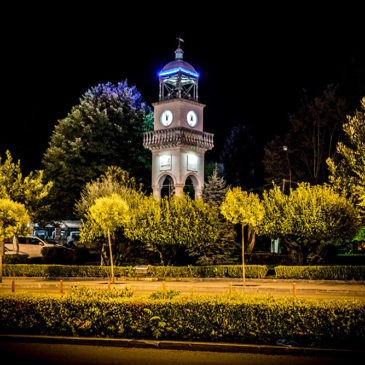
(303, 288)
(57, 354)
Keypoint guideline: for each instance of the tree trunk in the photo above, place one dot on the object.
(16, 244)
(103, 255)
(161, 257)
(111, 256)
(243, 256)
(250, 239)
(1, 260)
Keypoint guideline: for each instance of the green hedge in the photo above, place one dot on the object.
(213, 271)
(54, 271)
(216, 271)
(239, 319)
(321, 272)
(50, 271)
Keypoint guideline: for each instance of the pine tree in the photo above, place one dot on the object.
(215, 189)
(104, 129)
(219, 251)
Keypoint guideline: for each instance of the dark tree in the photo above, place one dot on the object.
(104, 129)
(312, 138)
(241, 158)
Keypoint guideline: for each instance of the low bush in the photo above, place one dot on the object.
(321, 272)
(86, 293)
(168, 294)
(239, 319)
(218, 271)
(212, 271)
(51, 271)
(15, 259)
(54, 271)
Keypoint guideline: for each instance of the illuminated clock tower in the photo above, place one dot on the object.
(178, 143)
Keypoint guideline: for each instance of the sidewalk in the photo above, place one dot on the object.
(186, 346)
(188, 286)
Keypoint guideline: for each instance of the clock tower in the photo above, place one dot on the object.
(178, 142)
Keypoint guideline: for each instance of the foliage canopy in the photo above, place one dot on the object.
(347, 170)
(108, 213)
(14, 219)
(171, 224)
(309, 216)
(242, 207)
(114, 181)
(29, 190)
(104, 129)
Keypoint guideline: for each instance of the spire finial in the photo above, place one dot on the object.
(179, 52)
(179, 39)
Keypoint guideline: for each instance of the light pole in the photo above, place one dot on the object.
(285, 149)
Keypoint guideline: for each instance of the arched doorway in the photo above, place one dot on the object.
(167, 187)
(189, 187)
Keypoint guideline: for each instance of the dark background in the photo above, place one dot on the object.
(253, 62)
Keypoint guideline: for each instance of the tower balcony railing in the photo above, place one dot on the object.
(178, 136)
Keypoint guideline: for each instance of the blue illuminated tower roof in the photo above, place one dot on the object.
(178, 65)
(178, 79)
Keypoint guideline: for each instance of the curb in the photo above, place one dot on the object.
(186, 346)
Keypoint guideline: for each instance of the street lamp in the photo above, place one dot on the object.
(285, 149)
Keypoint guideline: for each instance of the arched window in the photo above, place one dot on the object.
(167, 188)
(189, 187)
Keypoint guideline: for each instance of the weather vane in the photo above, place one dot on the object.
(179, 40)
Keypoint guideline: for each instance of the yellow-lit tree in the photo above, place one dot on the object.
(174, 224)
(308, 217)
(347, 169)
(14, 221)
(104, 218)
(240, 207)
(29, 190)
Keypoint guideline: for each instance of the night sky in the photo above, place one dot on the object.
(253, 63)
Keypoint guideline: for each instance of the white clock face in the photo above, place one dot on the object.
(192, 118)
(166, 118)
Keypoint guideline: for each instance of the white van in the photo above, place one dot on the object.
(29, 245)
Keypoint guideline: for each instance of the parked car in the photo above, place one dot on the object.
(74, 236)
(29, 245)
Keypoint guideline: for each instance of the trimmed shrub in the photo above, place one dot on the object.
(212, 271)
(321, 272)
(54, 271)
(168, 294)
(86, 293)
(240, 319)
(15, 259)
